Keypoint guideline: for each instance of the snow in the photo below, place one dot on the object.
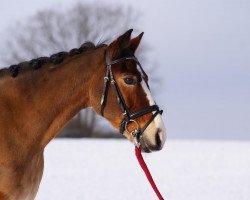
(184, 170)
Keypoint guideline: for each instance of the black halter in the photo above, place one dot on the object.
(128, 117)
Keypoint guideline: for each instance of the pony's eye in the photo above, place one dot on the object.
(130, 81)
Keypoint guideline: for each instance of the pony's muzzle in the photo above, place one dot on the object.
(154, 143)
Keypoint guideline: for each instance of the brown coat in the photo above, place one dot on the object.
(36, 104)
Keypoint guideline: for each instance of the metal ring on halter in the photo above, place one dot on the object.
(133, 133)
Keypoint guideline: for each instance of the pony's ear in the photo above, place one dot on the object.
(134, 43)
(119, 44)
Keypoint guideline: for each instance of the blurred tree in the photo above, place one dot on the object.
(54, 30)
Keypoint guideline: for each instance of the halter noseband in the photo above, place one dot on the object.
(128, 117)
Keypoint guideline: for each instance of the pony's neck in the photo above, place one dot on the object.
(45, 99)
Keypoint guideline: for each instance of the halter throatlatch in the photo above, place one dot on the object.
(128, 117)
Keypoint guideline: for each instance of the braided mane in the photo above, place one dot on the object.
(55, 59)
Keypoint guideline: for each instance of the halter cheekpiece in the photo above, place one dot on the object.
(128, 116)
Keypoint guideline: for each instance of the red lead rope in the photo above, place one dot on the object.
(147, 172)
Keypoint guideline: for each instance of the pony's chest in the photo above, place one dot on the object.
(21, 182)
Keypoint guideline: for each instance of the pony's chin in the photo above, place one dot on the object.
(146, 150)
(147, 147)
(144, 146)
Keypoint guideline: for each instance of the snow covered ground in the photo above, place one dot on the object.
(107, 169)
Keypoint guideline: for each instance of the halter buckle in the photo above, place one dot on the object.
(135, 130)
(106, 78)
(135, 134)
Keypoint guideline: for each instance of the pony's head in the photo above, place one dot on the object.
(121, 94)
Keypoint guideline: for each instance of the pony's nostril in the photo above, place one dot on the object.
(158, 139)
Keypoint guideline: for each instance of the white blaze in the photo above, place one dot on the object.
(157, 122)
